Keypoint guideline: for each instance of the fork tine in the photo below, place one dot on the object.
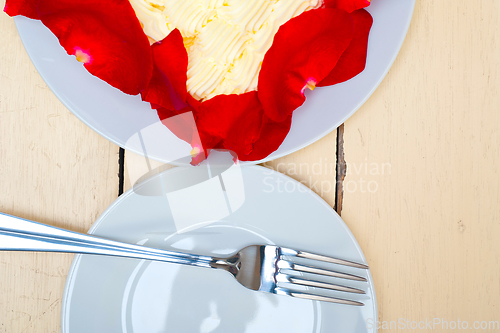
(313, 297)
(317, 284)
(308, 255)
(283, 264)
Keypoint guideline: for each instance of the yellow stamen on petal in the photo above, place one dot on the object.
(195, 151)
(310, 84)
(82, 56)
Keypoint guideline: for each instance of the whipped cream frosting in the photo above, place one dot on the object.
(226, 40)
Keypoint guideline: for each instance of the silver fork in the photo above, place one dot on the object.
(266, 268)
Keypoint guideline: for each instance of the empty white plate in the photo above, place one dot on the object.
(208, 212)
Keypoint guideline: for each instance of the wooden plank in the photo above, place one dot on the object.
(313, 166)
(54, 170)
(426, 149)
(138, 168)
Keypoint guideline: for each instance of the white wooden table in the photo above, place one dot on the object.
(421, 191)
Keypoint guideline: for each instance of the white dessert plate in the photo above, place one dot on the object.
(108, 295)
(118, 117)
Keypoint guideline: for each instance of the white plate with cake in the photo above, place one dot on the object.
(132, 124)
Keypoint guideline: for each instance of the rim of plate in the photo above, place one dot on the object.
(274, 155)
(74, 264)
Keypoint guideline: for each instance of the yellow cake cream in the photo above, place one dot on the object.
(226, 40)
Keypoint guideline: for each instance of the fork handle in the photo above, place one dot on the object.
(17, 234)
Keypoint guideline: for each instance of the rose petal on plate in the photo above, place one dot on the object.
(179, 122)
(157, 93)
(304, 51)
(105, 36)
(171, 59)
(167, 87)
(182, 124)
(270, 138)
(347, 5)
(235, 119)
(26, 8)
(353, 60)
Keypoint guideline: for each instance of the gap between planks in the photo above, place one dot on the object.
(340, 171)
(121, 170)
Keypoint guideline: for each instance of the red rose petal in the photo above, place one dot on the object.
(106, 36)
(167, 87)
(304, 52)
(353, 61)
(271, 137)
(235, 119)
(181, 123)
(233, 122)
(26, 8)
(193, 102)
(347, 5)
(171, 58)
(158, 91)
(201, 151)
